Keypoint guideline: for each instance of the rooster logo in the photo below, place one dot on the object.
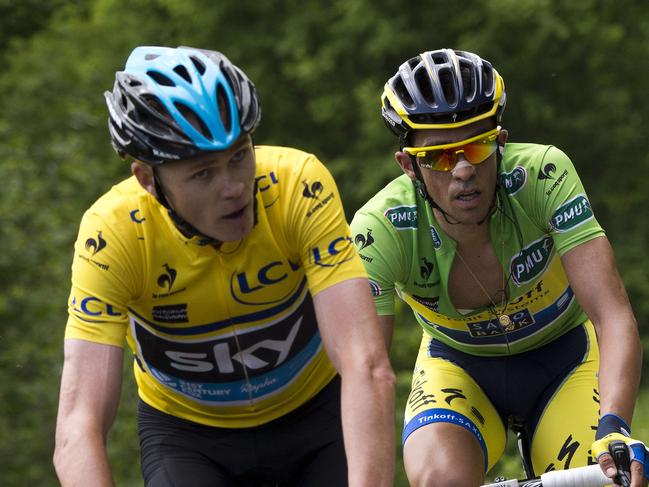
(547, 171)
(363, 241)
(167, 278)
(95, 245)
(425, 269)
(312, 191)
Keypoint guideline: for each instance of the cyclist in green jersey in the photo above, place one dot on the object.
(495, 248)
(230, 272)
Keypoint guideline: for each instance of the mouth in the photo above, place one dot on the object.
(235, 215)
(468, 196)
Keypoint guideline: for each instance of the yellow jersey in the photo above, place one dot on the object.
(226, 337)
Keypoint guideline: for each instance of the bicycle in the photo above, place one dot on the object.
(589, 476)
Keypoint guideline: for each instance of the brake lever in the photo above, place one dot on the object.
(620, 454)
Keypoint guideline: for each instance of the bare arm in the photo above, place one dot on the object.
(90, 391)
(355, 343)
(593, 276)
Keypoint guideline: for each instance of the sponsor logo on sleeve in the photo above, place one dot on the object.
(547, 171)
(531, 261)
(93, 246)
(328, 255)
(571, 214)
(402, 217)
(314, 191)
(93, 307)
(364, 241)
(514, 181)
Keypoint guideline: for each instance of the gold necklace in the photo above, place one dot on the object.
(504, 319)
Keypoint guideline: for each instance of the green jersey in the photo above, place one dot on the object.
(542, 212)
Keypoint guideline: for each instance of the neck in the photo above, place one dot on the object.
(465, 233)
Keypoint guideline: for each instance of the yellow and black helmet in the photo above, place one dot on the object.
(442, 89)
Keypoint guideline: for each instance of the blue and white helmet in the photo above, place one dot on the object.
(177, 103)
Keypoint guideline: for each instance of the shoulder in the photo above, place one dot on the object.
(530, 165)
(396, 197)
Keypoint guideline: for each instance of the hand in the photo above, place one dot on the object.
(636, 452)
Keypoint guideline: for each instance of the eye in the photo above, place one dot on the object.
(240, 154)
(201, 175)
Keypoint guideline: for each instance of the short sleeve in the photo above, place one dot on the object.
(102, 285)
(317, 225)
(559, 202)
(381, 254)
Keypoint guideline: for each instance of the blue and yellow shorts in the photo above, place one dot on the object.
(551, 391)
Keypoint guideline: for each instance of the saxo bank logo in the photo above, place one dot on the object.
(247, 287)
(95, 245)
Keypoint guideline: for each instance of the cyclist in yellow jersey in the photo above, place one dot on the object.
(495, 247)
(230, 272)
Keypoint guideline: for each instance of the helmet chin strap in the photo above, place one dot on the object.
(186, 228)
(423, 192)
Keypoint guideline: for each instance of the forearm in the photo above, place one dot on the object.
(620, 366)
(80, 458)
(368, 427)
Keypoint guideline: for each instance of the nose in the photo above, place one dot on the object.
(232, 188)
(463, 169)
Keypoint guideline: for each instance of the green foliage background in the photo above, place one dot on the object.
(575, 73)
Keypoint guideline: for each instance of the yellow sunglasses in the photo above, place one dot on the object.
(443, 157)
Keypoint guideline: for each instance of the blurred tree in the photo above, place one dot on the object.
(574, 73)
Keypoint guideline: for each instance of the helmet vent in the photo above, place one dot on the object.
(154, 103)
(487, 80)
(224, 108)
(151, 57)
(438, 58)
(183, 73)
(200, 67)
(447, 81)
(401, 91)
(160, 78)
(422, 80)
(193, 119)
(468, 83)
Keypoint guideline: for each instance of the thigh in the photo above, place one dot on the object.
(175, 452)
(306, 447)
(450, 425)
(566, 428)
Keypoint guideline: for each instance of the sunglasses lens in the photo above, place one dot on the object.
(439, 160)
(478, 152)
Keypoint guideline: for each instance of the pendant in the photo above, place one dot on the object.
(506, 322)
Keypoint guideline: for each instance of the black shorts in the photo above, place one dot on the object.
(302, 448)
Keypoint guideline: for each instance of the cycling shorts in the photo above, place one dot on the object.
(302, 448)
(551, 391)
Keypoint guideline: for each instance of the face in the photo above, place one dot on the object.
(213, 192)
(466, 192)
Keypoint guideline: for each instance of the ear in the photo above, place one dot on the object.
(405, 163)
(503, 135)
(144, 175)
